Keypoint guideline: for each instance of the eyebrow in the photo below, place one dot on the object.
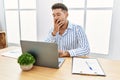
(56, 13)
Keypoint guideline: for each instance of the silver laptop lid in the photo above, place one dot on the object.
(46, 54)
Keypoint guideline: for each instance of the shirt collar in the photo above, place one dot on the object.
(69, 25)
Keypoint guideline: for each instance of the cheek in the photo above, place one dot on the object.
(55, 18)
(63, 18)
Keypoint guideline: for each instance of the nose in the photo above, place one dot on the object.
(55, 17)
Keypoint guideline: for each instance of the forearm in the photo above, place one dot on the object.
(75, 52)
(63, 53)
(79, 51)
(50, 38)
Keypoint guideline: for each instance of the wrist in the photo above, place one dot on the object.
(54, 33)
(66, 53)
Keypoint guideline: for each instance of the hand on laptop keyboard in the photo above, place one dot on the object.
(63, 53)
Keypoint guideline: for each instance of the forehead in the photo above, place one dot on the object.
(55, 11)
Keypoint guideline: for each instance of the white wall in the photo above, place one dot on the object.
(115, 32)
(2, 19)
(44, 17)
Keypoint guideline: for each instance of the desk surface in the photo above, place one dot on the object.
(10, 70)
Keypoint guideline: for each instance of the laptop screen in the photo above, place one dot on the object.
(46, 54)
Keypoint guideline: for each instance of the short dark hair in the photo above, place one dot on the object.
(59, 6)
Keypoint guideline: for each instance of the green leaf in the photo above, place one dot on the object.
(26, 59)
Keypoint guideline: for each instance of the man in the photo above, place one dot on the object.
(71, 39)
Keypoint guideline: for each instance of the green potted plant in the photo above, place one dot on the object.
(26, 61)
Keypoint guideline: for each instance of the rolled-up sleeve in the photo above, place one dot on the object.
(83, 45)
(50, 37)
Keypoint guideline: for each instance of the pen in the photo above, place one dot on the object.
(89, 66)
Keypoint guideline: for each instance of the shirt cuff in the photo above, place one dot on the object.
(72, 53)
(52, 37)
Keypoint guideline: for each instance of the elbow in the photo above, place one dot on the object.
(87, 51)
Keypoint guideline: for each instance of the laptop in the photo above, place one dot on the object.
(45, 53)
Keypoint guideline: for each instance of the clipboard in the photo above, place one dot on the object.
(87, 66)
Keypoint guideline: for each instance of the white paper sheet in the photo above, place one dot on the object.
(87, 66)
(12, 53)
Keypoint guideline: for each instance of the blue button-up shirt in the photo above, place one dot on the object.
(73, 40)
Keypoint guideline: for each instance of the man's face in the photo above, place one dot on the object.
(59, 14)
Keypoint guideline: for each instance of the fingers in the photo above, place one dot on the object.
(58, 23)
(60, 53)
(63, 53)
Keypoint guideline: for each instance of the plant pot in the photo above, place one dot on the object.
(26, 67)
